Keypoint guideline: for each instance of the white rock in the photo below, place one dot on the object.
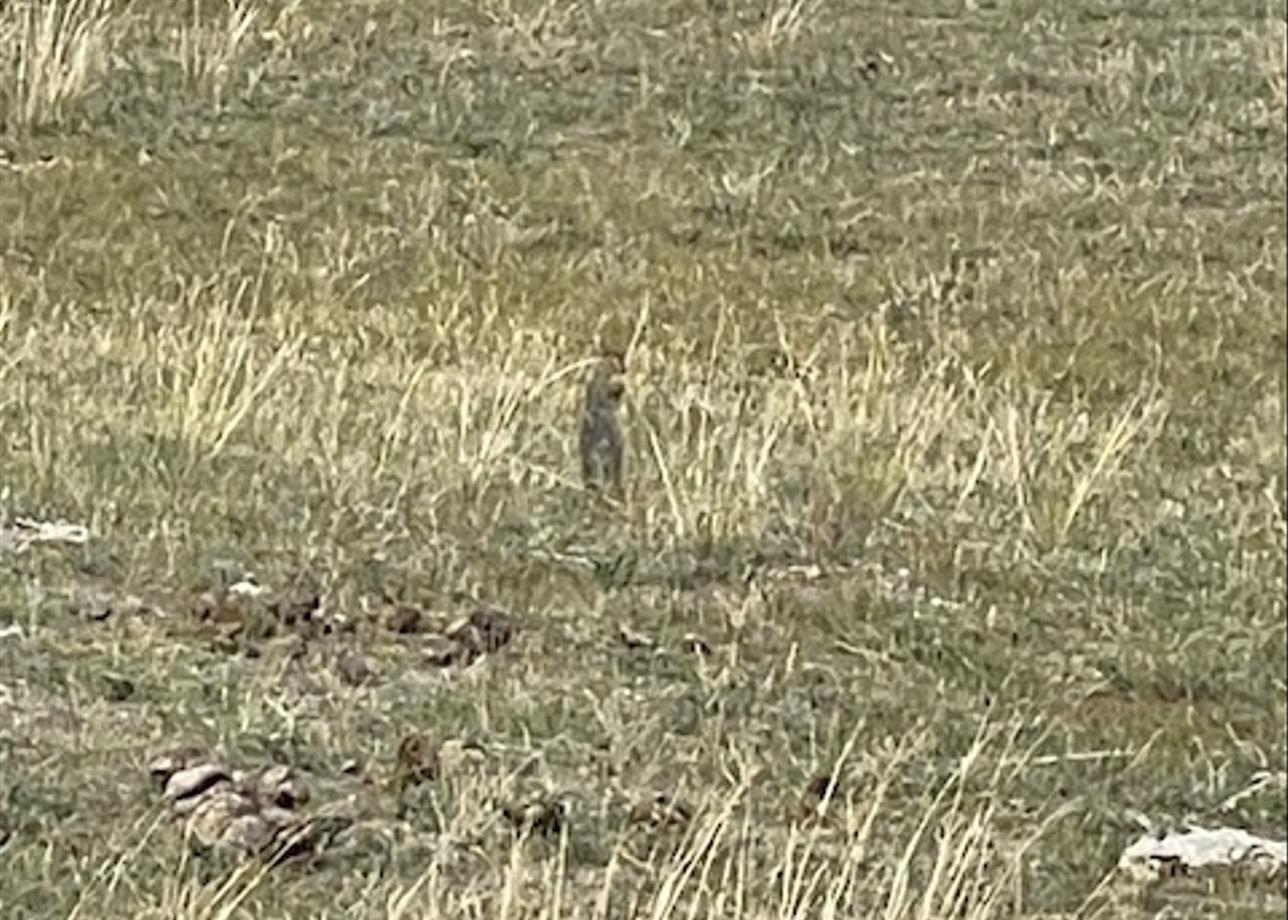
(1196, 848)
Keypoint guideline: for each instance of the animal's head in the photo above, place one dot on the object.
(608, 380)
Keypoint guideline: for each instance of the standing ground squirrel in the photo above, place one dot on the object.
(600, 440)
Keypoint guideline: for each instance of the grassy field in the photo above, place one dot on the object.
(953, 548)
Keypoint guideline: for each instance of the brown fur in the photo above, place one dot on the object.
(601, 442)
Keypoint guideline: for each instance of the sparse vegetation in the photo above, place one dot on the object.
(953, 534)
(50, 54)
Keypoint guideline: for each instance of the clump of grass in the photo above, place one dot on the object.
(51, 54)
(208, 48)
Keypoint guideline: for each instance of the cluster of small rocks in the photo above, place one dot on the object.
(253, 813)
(459, 640)
(237, 616)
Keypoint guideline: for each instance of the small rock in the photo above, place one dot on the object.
(117, 689)
(213, 814)
(294, 837)
(166, 765)
(455, 753)
(818, 786)
(98, 606)
(213, 608)
(633, 638)
(694, 643)
(277, 785)
(480, 633)
(661, 811)
(404, 619)
(353, 668)
(248, 586)
(442, 652)
(250, 833)
(295, 648)
(189, 784)
(417, 761)
(299, 611)
(812, 807)
(458, 629)
(543, 815)
(493, 629)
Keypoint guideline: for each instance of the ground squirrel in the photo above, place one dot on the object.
(600, 440)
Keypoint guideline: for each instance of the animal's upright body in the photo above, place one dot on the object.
(600, 442)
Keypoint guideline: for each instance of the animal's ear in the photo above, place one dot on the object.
(617, 357)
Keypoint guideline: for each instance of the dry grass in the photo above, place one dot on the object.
(208, 51)
(956, 413)
(53, 53)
